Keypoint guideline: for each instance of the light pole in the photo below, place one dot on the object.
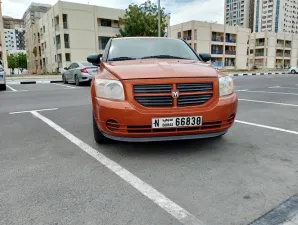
(158, 18)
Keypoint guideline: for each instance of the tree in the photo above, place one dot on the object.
(22, 61)
(142, 20)
(11, 61)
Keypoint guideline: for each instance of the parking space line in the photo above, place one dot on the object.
(271, 92)
(158, 198)
(275, 103)
(284, 87)
(11, 88)
(63, 85)
(267, 127)
(242, 90)
(29, 111)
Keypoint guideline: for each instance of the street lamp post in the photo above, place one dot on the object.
(158, 18)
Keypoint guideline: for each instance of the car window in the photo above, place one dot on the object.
(86, 64)
(75, 65)
(71, 66)
(147, 47)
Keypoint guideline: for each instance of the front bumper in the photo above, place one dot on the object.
(2, 78)
(134, 124)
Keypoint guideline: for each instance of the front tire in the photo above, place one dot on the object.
(98, 136)
(64, 79)
(2, 87)
(293, 71)
(77, 81)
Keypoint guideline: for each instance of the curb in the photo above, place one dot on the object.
(34, 82)
(256, 74)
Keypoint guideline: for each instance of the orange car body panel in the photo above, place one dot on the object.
(134, 120)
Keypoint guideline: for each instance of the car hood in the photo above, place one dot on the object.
(144, 69)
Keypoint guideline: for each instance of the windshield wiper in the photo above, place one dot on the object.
(121, 59)
(162, 57)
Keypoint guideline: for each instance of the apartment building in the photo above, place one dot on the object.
(14, 34)
(239, 12)
(3, 56)
(228, 45)
(69, 32)
(273, 50)
(276, 16)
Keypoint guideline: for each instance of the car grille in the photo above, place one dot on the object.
(159, 95)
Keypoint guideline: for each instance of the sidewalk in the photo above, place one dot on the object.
(33, 79)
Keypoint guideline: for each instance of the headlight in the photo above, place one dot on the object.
(226, 86)
(109, 89)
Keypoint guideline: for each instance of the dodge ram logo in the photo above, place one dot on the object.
(175, 94)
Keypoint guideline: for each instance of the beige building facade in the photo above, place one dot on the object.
(228, 45)
(69, 32)
(239, 12)
(271, 50)
(279, 16)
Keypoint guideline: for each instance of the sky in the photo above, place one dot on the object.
(181, 10)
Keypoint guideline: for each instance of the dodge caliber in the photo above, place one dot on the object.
(159, 89)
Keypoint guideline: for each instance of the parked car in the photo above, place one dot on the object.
(79, 72)
(293, 69)
(159, 89)
(2, 79)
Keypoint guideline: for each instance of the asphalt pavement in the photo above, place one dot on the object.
(53, 172)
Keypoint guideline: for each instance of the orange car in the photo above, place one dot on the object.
(159, 89)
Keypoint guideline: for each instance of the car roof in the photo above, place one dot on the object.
(145, 38)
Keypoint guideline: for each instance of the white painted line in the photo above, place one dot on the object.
(158, 198)
(242, 90)
(285, 87)
(37, 110)
(274, 87)
(293, 221)
(63, 85)
(275, 103)
(267, 127)
(16, 91)
(11, 88)
(271, 92)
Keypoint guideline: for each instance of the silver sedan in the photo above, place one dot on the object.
(2, 79)
(79, 72)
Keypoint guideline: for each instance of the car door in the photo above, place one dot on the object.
(74, 71)
(67, 73)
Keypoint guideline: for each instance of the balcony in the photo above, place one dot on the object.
(230, 52)
(65, 25)
(66, 44)
(260, 44)
(186, 38)
(288, 45)
(218, 39)
(57, 28)
(218, 52)
(107, 31)
(287, 55)
(279, 54)
(259, 54)
(231, 40)
(217, 64)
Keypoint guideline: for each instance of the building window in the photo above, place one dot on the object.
(102, 41)
(179, 34)
(66, 41)
(67, 57)
(105, 23)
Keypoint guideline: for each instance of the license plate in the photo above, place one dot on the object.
(170, 122)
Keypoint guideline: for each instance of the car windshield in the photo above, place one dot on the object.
(142, 48)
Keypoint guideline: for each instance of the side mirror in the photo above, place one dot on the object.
(94, 59)
(205, 57)
(65, 68)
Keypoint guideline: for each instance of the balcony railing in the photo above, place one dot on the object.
(288, 45)
(67, 45)
(280, 45)
(229, 64)
(231, 40)
(219, 52)
(57, 28)
(260, 44)
(65, 25)
(279, 54)
(220, 39)
(230, 52)
(217, 64)
(259, 53)
(187, 38)
(287, 55)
